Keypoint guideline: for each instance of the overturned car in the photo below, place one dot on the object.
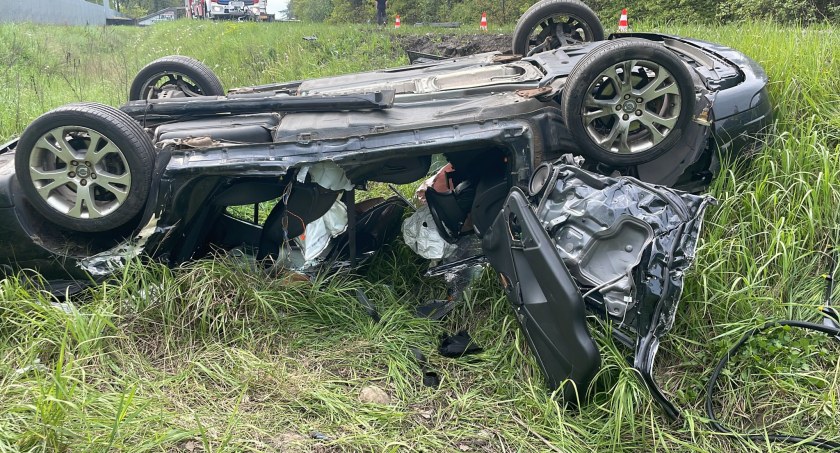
(566, 167)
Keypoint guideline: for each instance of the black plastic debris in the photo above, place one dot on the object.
(430, 377)
(435, 309)
(458, 345)
(370, 309)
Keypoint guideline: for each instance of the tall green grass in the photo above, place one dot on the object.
(211, 356)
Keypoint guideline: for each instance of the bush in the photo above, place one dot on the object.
(413, 11)
(345, 11)
(311, 10)
(660, 11)
(785, 11)
(506, 12)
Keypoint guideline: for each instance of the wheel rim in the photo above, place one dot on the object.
(169, 85)
(558, 31)
(631, 106)
(79, 172)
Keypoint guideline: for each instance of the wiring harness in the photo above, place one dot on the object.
(830, 326)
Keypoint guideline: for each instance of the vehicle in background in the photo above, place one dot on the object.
(228, 9)
(195, 8)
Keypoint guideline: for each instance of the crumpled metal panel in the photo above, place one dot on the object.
(627, 243)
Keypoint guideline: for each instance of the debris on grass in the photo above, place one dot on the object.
(454, 45)
(458, 345)
(318, 435)
(375, 395)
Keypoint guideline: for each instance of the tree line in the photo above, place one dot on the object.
(508, 11)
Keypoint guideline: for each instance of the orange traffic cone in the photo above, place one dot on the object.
(483, 25)
(622, 21)
(397, 23)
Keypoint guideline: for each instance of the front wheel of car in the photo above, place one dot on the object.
(551, 24)
(628, 101)
(175, 76)
(85, 167)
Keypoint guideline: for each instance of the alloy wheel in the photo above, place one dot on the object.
(631, 106)
(79, 172)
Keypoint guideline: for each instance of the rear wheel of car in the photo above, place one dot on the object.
(175, 76)
(628, 101)
(85, 167)
(551, 24)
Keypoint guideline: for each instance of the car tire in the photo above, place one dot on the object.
(77, 188)
(628, 121)
(581, 25)
(190, 76)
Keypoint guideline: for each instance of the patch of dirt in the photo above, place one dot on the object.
(283, 441)
(454, 45)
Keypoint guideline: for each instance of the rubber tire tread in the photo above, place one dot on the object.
(118, 127)
(203, 76)
(591, 65)
(547, 8)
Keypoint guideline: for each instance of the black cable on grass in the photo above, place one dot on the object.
(710, 412)
(831, 330)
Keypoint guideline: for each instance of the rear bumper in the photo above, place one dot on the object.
(743, 111)
(736, 132)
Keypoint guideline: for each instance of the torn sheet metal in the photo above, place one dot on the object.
(110, 261)
(628, 245)
(421, 235)
(327, 175)
(607, 229)
(581, 242)
(114, 259)
(461, 268)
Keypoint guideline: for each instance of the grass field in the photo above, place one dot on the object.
(210, 357)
